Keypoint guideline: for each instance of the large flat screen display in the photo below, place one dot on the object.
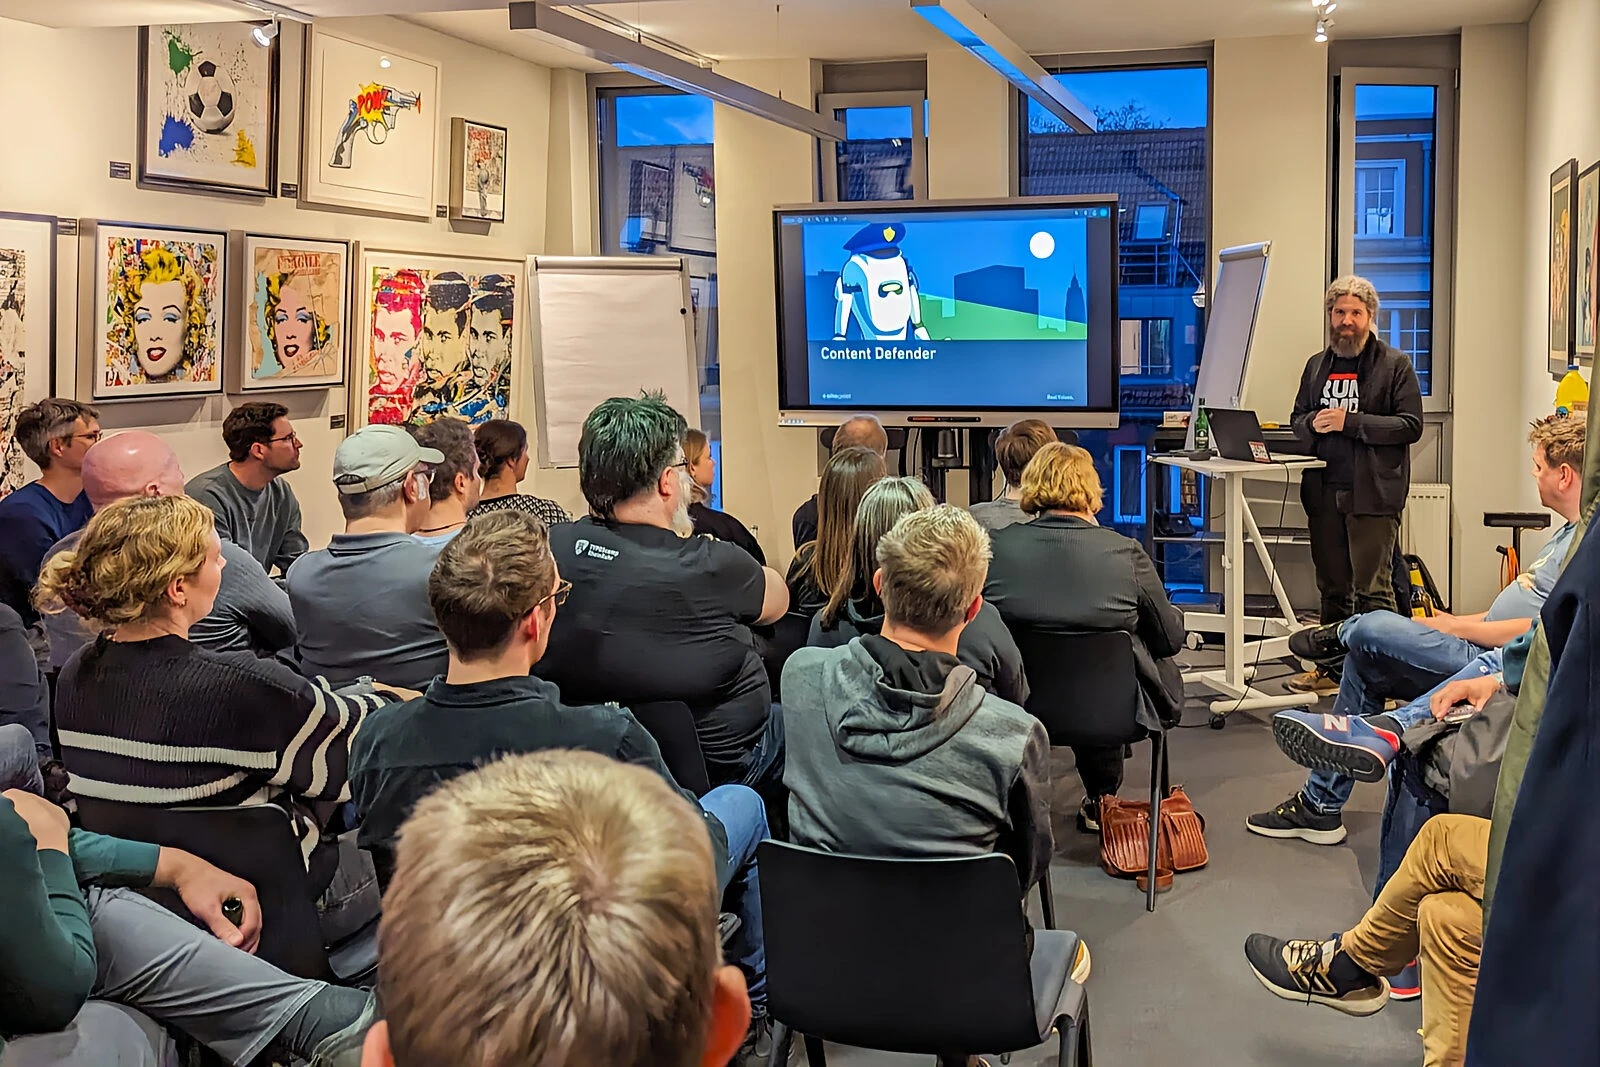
(975, 312)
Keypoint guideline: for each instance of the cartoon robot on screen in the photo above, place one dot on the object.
(877, 288)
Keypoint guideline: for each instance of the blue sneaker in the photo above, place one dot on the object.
(1407, 985)
(1347, 744)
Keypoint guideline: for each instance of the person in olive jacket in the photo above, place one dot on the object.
(1359, 410)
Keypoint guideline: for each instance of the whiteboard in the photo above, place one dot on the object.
(605, 326)
(1235, 299)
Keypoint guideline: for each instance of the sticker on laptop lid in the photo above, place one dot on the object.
(1258, 450)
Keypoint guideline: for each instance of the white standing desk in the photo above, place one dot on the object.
(1270, 634)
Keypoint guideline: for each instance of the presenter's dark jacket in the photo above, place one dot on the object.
(1059, 573)
(1382, 431)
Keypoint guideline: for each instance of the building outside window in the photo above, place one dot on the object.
(658, 196)
(884, 154)
(1152, 150)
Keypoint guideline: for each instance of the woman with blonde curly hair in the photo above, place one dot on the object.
(1064, 571)
(148, 717)
(161, 314)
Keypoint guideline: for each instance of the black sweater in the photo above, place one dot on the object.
(166, 722)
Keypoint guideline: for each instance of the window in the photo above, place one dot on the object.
(658, 196)
(1152, 150)
(1395, 183)
(884, 154)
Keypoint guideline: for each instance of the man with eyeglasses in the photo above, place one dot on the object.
(54, 434)
(496, 591)
(254, 506)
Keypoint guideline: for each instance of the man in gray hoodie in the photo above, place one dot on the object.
(893, 747)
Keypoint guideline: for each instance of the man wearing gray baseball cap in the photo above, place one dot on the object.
(361, 604)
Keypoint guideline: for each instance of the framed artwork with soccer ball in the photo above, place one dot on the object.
(208, 109)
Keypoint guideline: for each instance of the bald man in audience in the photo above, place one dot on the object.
(860, 431)
(252, 613)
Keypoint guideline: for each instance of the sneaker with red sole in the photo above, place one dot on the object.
(1346, 744)
(1407, 985)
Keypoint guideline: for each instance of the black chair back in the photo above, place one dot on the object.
(671, 723)
(923, 956)
(255, 842)
(1084, 685)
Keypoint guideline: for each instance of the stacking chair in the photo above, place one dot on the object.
(921, 956)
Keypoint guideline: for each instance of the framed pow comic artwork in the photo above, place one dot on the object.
(294, 313)
(27, 331)
(208, 109)
(477, 171)
(158, 311)
(438, 336)
(370, 138)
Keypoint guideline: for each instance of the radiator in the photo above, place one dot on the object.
(1425, 531)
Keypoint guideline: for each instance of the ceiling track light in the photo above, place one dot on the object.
(1323, 8)
(264, 34)
(273, 10)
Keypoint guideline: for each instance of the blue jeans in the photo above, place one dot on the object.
(744, 816)
(1388, 655)
(1403, 816)
(1327, 791)
(19, 760)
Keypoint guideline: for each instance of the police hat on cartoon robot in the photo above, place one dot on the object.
(877, 239)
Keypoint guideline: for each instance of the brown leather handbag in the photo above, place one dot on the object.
(1125, 838)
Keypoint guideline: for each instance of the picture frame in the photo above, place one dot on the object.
(694, 209)
(1563, 275)
(156, 289)
(439, 335)
(292, 301)
(208, 109)
(1586, 261)
(370, 136)
(477, 171)
(27, 332)
(649, 218)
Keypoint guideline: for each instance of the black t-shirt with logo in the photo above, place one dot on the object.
(1338, 450)
(653, 616)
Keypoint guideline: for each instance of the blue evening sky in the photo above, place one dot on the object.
(669, 118)
(1175, 97)
(1393, 101)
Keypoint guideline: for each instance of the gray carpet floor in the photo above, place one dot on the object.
(1173, 987)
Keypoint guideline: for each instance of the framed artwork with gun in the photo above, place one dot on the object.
(371, 137)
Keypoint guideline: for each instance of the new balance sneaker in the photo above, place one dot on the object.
(1319, 644)
(1348, 744)
(1316, 972)
(1407, 985)
(1293, 818)
(1318, 682)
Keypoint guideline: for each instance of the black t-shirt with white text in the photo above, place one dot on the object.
(1337, 450)
(653, 616)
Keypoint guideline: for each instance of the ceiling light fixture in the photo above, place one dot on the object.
(972, 30)
(1322, 32)
(385, 62)
(264, 34)
(275, 10)
(635, 57)
(1324, 8)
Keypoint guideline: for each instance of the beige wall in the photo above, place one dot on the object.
(969, 129)
(767, 470)
(66, 175)
(1488, 457)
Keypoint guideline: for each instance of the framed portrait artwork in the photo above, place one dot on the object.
(294, 313)
(208, 109)
(370, 138)
(27, 331)
(477, 171)
(158, 311)
(438, 337)
(1563, 226)
(1586, 319)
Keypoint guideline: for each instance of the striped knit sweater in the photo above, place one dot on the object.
(166, 722)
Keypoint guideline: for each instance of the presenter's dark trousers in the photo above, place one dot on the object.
(1353, 555)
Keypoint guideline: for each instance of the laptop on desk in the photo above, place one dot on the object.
(1236, 434)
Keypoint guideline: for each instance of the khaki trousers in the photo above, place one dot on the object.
(1432, 911)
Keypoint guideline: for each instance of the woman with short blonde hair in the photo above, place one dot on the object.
(149, 717)
(1064, 571)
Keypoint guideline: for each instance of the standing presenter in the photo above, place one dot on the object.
(1359, 410)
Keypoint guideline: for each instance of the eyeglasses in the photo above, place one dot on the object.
(562, 590)
(290, 436)
(93, 436)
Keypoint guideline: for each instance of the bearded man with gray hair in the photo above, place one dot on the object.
(1359, 410)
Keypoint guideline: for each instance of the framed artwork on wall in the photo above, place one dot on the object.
(208, 109)
(438, 337)
(477, 171)
(1586, 258)
(158, 311)
(694, 209)
(370, 137)
(294, 313)
(1563, 212)
(27, 331)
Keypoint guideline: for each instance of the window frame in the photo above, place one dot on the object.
(1397, 213)
(827, 151)
(1441, 352)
